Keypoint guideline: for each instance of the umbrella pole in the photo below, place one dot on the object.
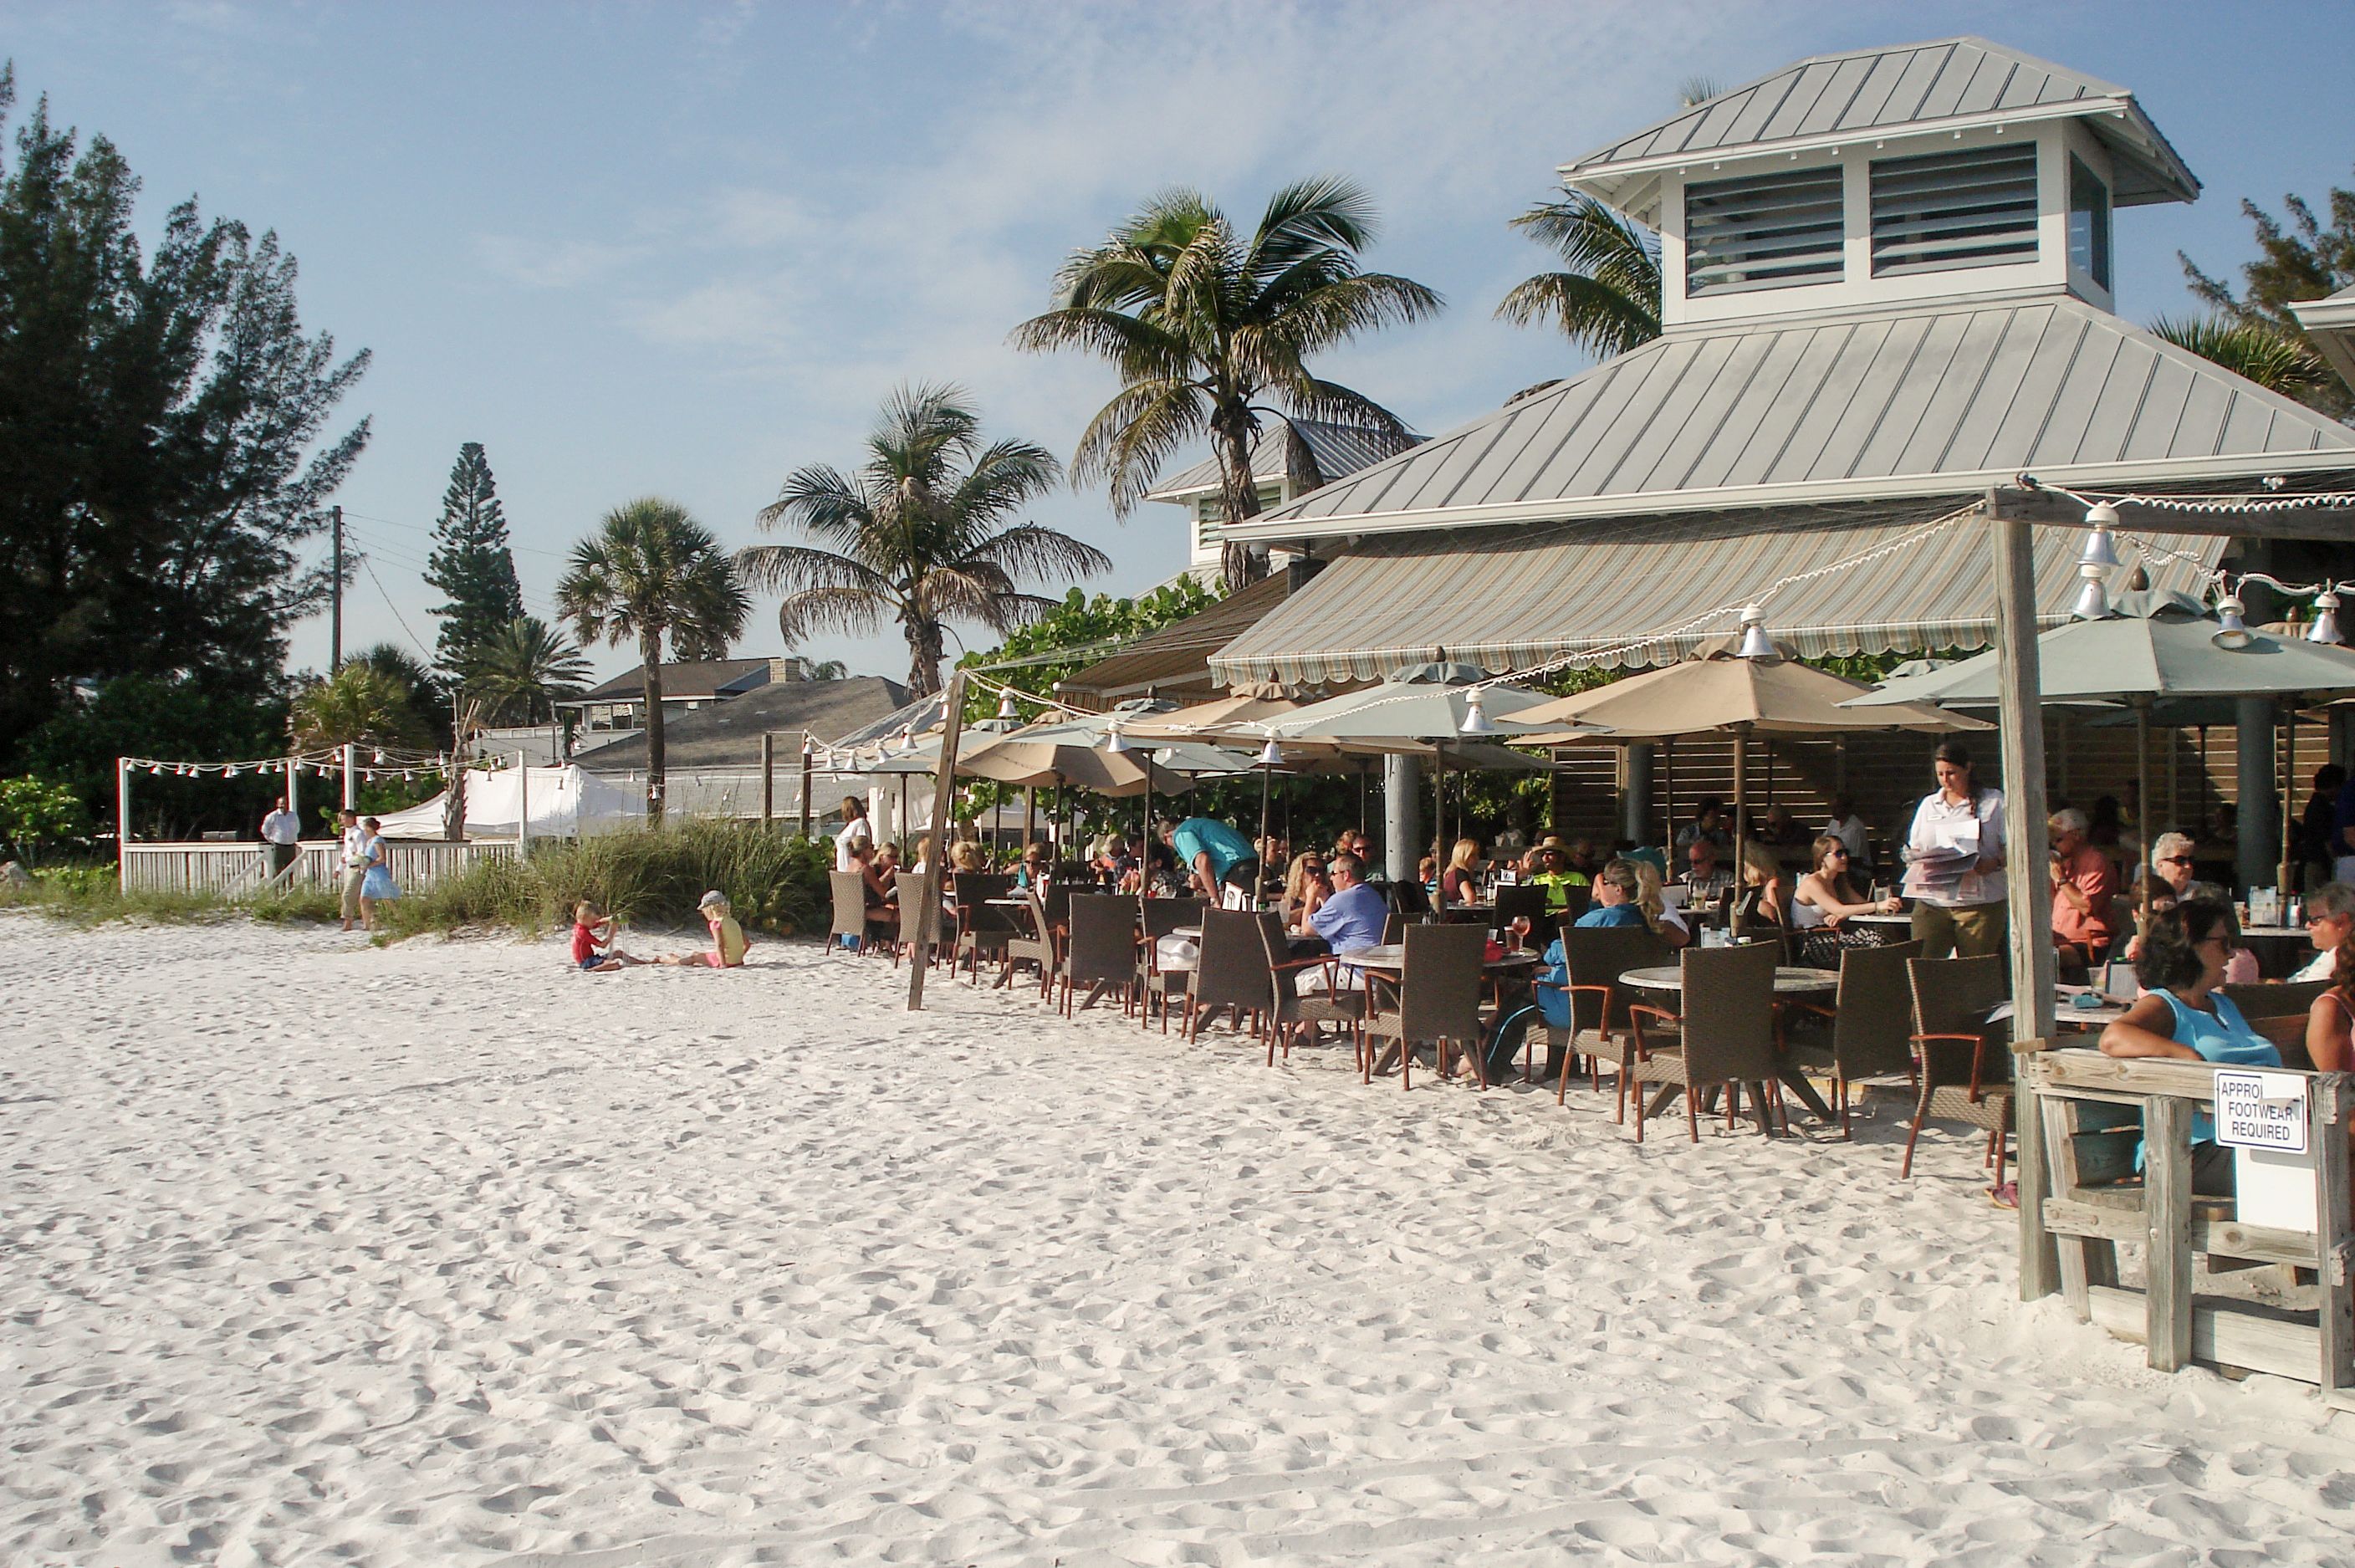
(2289, 795)
(1740, 823)
(1669, 801)
(1029, 818)
(1266, 780)
(2142, 790)
(1365, 787)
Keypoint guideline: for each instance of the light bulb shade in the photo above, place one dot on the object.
(2093, 599)
(1270, 755)
(1115, 742)
(1755, 643)
(2102, 516)
(377, 758)
(1475, 717)
(2325, 626)
(156, 767)
(1005, 706)
(2099, 550)
(2231, 623)
(229, 773)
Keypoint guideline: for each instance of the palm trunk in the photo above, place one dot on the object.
(1241, 494)
(925, 645)
(650, 651)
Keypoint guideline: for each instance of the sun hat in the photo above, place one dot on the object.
(714, 897)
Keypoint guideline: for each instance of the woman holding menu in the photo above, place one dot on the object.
(1954, 856)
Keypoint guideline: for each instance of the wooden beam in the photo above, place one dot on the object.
(927, 917)
(2120, 1077)
(2028, 887)
(2327, 1109)
(2221, 1335)
(2049, 508)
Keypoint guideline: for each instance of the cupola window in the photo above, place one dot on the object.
(2088, 223)
(1766, 231)
(1974, 209)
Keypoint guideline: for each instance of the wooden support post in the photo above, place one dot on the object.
(2086, 1261)
(121, 825)
(2327, 1112)
(1741, 821)
(809, 759)
(768, 776)
(523, 804)
(351, 777)
(927, 917)
(2166, 1209)
(2027, 884)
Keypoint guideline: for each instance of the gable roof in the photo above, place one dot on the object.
(728, 734)
(1824, 101)
(1937, 398)
(1176, 660)
(1339, 450)
(2330, 324)
(687, 678)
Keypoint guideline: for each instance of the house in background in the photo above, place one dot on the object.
(1334, 451)
(619, 705)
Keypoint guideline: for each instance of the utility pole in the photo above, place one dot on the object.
(335, 614)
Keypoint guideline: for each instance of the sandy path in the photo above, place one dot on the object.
(312, 1252)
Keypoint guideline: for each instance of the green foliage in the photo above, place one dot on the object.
(1085, 626)
(522, 669)
(1607, 300)
(472, 564)
(777, 883)
(923, 534)
(36, 812)
(2253, 350)
(359, 705)
(154, 487)
(187, 717)
(2304, 259)
(1202, 326)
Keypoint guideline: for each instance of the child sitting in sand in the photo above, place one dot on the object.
(593, 951)
(728, 943)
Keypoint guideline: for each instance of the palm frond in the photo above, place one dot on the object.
(1607, 297)
(852, 610)
(1597, 317)
(2251, 350)
(1031, 549)
(1136, 433)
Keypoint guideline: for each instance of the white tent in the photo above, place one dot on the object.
(565, 802)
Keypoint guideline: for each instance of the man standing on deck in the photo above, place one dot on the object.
(1213, 855)
(354, 862)
(282, 836)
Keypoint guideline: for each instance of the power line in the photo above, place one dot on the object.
(428, 528)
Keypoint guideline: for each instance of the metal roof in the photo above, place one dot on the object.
(1339, 450)
(2330, 324)
(688, 677)
(728, 734)
(1512, 600)
(1936, 399)
(1826, 101)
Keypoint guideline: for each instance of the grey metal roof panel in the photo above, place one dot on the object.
(1914, 399)
(1945, 84)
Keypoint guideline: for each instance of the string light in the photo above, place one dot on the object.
(2232, 630)
(1475, 717)
(1755, 643)
(2325, 626)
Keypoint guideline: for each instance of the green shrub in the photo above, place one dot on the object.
(776, 882)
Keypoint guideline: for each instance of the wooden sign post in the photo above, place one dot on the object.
(928, 918)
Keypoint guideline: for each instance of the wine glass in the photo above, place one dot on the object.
(1519, 926)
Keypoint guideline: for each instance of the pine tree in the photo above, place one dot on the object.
(471, 564)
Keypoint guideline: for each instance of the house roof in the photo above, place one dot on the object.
(728, 734)
(1339, 450)
(1826, 101)
(689, 678)
(2330, 324)
(1175, 660)
(1641, 591)
(1943, 398)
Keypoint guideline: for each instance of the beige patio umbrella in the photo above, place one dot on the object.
(1772, 695)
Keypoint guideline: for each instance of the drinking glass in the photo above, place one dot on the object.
(1520, 929)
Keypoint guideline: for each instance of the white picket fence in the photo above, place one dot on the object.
(230, 870)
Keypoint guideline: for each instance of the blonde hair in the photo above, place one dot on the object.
(966, 856)
(586, 912)
(1465, 855)
(1296, 878)
(1648, 892)
(1758, 862)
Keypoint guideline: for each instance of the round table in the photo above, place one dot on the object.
(1901, 920)
(1790, 980)
(1393, 956)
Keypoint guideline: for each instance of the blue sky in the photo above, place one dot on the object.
(683, 250)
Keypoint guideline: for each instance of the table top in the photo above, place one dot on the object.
(1899, 919)
(2067, 1015)
(1789, 979)
(2273, 931)
(1393, 956)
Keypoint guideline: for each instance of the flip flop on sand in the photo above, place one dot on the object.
(2006, 1196)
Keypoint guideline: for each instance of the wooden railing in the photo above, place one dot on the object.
(229, 871)
(2089, 1104)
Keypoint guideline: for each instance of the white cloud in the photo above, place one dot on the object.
(552, 264)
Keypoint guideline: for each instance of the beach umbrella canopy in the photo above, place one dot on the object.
(1405, 713)
(2158, 645)
(1767, 696)
(1070, 750)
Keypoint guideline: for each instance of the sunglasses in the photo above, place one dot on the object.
(2175, 859)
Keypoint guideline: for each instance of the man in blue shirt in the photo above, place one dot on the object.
(1210, 852)
(1354, 916)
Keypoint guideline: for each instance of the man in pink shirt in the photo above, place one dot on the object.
(2084, 883)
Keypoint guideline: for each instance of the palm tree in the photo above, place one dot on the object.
(359, 705)
(1203, 325)
(2252, 350)
(522, 668)
(649, 571)
(919, 535)
(1607, 300)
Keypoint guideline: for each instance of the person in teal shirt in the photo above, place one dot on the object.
(1615, 893)
(2181, 1015)
(1211, 853)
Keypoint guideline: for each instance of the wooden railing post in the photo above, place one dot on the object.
(2167, 1210)
(2326, 1111)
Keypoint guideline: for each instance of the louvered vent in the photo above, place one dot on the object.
(1768, 231)
(1953, 210)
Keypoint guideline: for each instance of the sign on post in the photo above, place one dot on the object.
(2263, 1118)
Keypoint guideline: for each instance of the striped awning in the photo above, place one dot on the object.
(1511, 601)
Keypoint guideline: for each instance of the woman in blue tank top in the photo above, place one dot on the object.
(2179, 1014)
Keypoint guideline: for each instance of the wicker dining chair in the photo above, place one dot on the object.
(1869, 1037)
(850, 890)
(1965, 1072)
(914, 889)
(1035, 946)
(1157, 918)
(1597, 956)
(1288, 1010)
(982, 928)
(1435, 1001)
(1725, 1030)
(1230, 975)
(1102, 951)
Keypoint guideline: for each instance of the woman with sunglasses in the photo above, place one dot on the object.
(2170, 885)
(1829, 893)
(2181, 1015)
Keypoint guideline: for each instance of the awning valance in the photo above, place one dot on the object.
(1512, 602)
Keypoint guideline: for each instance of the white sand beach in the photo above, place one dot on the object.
(315, 1253)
